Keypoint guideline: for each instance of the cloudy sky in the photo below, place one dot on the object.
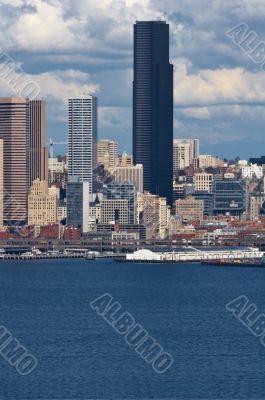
(73, 47)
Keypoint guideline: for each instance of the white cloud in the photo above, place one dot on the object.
(197, 113)
(86, 46)
(223, 85)
(89, 25)
(62, 85)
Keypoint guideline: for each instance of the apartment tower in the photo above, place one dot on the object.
(82, 138)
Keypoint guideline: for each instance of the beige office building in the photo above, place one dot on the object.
(95, 213)
(133, 173)
(203, 181)
(114, 211)
(56, 166)
(190, 209)
(154, 213)
(125, 160)
(207, 161)
(38, 163)
(42, 204)
(255, 205)
(107, 153)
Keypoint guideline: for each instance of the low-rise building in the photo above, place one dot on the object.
(252, 171)
(207, 198)
(230, 197)
(114, 212)
(203, 181)
(72, 233)
(95, 212)
(61, 211)
(51, 231)
(121, 239)
(207, 161)
(190, 209)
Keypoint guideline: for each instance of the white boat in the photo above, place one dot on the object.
(27, 255)
(2, 254)
(36, 251)
(90, 255)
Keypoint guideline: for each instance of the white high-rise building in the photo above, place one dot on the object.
(181, 155)
(82, 138)
(184, 151)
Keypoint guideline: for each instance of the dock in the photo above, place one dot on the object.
(191, 254)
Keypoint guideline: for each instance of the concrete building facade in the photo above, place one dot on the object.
(42, 204)
(203, 181)
(190, 209)
(181, 155)
(114, 212)
(82, 138)
(154, 213)
(107, 153)
(132, 173)
(255, 205)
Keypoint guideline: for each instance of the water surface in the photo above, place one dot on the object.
(45, 304)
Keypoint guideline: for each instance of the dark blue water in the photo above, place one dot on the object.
(46, 306)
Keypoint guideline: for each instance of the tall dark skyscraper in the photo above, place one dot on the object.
(153, 106)
(38, 161)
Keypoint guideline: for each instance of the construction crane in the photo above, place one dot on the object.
(51, 145)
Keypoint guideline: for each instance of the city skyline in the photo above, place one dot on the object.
(132, 199)
(219, 89)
